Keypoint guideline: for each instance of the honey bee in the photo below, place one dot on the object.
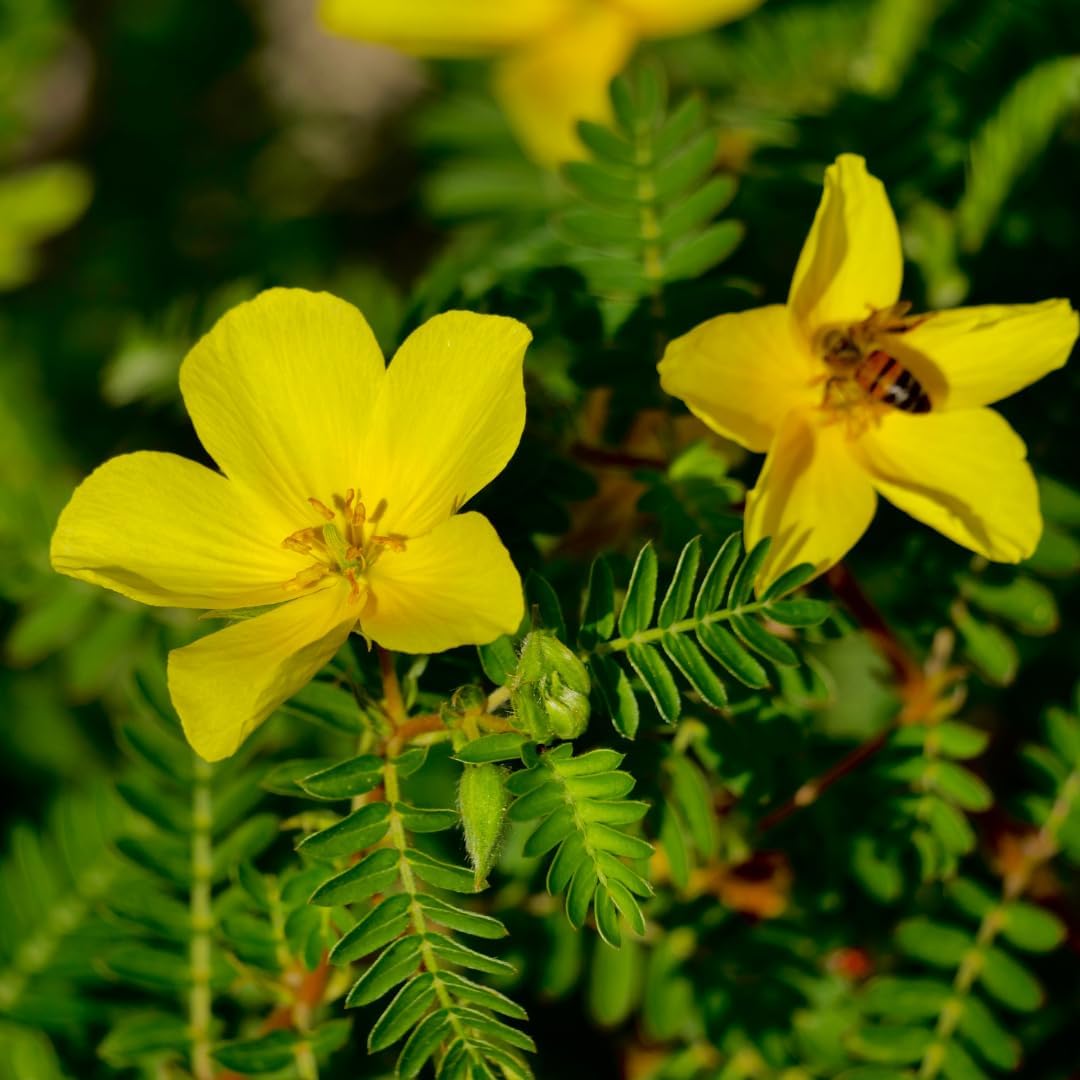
(856, 359)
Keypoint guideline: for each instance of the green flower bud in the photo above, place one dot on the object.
(482, 800)
(550, 689)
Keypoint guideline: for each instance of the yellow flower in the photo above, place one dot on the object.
(557, 56)
(337, 510)
(851, 397)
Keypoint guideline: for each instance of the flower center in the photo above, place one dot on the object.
(862, 376)
(346, 543)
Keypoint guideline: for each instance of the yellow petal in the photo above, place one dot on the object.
(813, 498)
(280, 392)
(164, 530)
(548, 85)
(962, 473)
(226, 684)
(978, 355)
(851, 261)
(454, 586)
(449, 418)
(657, 18)
(741, 374)
(439, 28)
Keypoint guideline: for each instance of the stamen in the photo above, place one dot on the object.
(306, 578)
(354, 592)
(323, 509)
(300, 541)
(359, 514)
(394, 543)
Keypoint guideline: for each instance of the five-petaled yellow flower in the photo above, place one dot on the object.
(556, 57)
(850, 396)
(337, 510)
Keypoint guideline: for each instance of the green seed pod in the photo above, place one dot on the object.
(550, 689)
(482, 800)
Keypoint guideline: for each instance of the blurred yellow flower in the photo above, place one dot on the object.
(557, 56)
(851, 397)
(337, 510)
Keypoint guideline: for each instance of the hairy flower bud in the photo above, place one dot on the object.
(550, 689)
(482, 800)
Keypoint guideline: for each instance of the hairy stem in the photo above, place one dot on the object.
(200, 1002)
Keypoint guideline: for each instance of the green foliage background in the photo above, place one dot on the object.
(663, 903)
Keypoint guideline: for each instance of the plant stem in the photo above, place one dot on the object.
(813, 789)
(1038, 850)
(395, 703)
(202, 921)
(681, 626)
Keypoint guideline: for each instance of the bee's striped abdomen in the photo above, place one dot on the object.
(886, 380)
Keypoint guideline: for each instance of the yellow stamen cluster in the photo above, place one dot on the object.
(339, 547)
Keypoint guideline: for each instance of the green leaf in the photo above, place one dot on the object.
(374, 873)
(361, 829)
(384, 922)
(457, 918)
(284, 779)
(603, 142)
(698, 208)
(543, 598)
(329, 704)
(933, 943)
(701, 253)
(264, 1054)
(686, 168)
(691, 794)
(801, 612)
(892, 1045)
(723, 646)
(607, 918)
(495, 1029)
(790, 580)
(422, 819)
(743, 585)
(601, 760)
(539, 802)
(961, 786)
(690, 661)
(618, 696)
(655, 674)
(678, 127)
(441, 874)
(499, 659)
(710, 596)
(680, 592)
(905, 999)
(422, 1043)
(640, 599)
(753, 634)
(987, 1035)
(461, 955)
(603, 184)
(393, 966)
(502, 746)
(407, 1009)
(605, 838)
(613, 812)
(551, 831)
(565, 865)
(1009, 981)
(598, 619)
(357, 776)
(609, 785)
(1032, 928)
(579, 895)
(472, 992)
